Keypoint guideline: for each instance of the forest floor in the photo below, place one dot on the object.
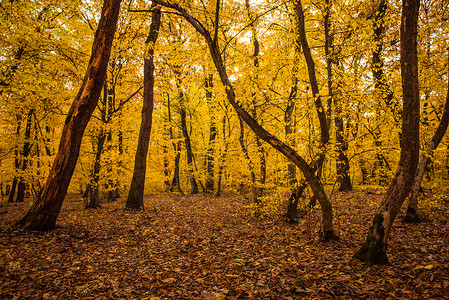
(201, 247)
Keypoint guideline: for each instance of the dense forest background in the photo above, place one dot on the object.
(327, 114)
(286, 104)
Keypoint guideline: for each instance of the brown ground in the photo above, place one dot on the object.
(199, 247)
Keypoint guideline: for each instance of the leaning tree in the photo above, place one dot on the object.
(44, 212)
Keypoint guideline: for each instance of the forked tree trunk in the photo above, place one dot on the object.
(327, 231)
(373, 251)
(412, 208)
(136, 189)
(44, 212)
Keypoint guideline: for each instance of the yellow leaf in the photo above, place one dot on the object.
(418, 267)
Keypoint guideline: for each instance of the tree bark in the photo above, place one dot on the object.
(43, 214)
(324, 126)
(373, 251)
(381, 87)
(191, 167)
(342, 162)
(93, 197)
(136, 189)
(16, 161)
(412, 208)
(212, 136)
(21, 185)
(249, 162)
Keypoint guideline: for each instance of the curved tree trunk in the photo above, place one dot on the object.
(43, 214)
(136, 189)
(313, 181)
(373, 251)
(412, 208)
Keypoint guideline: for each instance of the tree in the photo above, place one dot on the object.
(44, 212)
(136, 190)
(314, 182)
(412, 207)
(373, 251)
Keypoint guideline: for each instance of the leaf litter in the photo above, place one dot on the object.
(203, 247)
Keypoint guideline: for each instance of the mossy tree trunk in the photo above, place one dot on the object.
(373, 251)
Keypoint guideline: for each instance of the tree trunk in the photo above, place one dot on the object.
(136, 189)
(314, 182)
(43, 214)
(292, 208)
(222, 157)
(93, 198)
(21, 185)
(373, 251)
(260, 151)
(176, 182)
(212, 136)
(193, 185)
(342, 162)
(177, 148)
(412, 208)
(324, 126)
(249, 162)
(381, 88)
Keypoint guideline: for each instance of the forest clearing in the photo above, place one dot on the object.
(202, 247)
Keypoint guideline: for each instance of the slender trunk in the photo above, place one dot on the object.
(260, 151)
(292, 208)
(12, 190)
(222, 158)
(93, 199)
(373, 251)
(193, 185)
(249, 162)
(176, 182)
(136, 189)
(381, 87)
(16, 161)
(324, 126)
(177, 148)
(412, 208)
(166, 170)
(44, 212)
(212, 136)
(21, 186)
